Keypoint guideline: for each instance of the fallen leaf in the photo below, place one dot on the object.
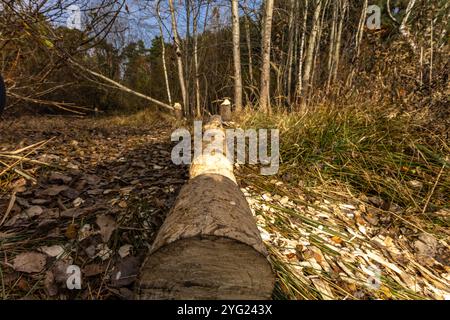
(49, 284)
(52, 191)
(104, 252)
(71, 231)
(54, 251)
(85, 232)
(107, 226)
(29, 262)
(125, 250)
(122, 204)
(77, 202)
(336, 240)
(59, 177)
(94, 269)
(33, 211)
(125, 272)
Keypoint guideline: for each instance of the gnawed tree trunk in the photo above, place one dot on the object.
(209, 246)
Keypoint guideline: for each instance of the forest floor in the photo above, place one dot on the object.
(93, 193)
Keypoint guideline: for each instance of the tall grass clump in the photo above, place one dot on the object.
(373, 151)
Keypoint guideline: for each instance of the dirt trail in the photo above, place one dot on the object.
(97, 206)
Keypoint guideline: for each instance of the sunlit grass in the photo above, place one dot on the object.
(366, 151)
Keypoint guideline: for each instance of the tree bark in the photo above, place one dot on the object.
(310, 50)
(290, 57)
(176, 41)
(301, 53)
(163, 54)
(404, 30)
(337, 51)
(249, 49)
(196, 66)
(265, 69)
(209, 246)
(358, 39)
(236, 56)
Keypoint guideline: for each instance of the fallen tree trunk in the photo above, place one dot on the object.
(209, 246)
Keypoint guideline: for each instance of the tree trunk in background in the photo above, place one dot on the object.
(196, 67)
(337, 51)
(310, 50)
(332, 43)
(404, 30)
(176, 41)
(301, 53)
(163, 55)
(358, 39)
(265, 69)
(236, 56)
(187, 53)
(291, 43)
(249, 49)
(317, 48)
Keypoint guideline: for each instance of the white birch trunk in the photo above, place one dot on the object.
(236, 56)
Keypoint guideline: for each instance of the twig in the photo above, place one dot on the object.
(432, 190)
(10, 205)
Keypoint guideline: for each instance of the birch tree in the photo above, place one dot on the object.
(236, 56)
(301, 53)
(196, 66)
(163, 53)
(310, 50)
(265, 69)
(176, 41)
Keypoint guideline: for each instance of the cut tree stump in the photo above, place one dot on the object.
(209, 246)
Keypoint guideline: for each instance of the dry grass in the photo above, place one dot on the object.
(348, 155)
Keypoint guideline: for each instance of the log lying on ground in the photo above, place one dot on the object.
(209, 246)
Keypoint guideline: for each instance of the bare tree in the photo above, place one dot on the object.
(196, 66)
(358, 39)
(310, 50)
(176, 41)
(249, 47)
(265, 69)
(163, 53)
(301, 53)
(236, 56)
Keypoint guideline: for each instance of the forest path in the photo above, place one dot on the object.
(97, 206)
(108, 186)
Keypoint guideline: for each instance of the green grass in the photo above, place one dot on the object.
(359, 151)
(365, 149)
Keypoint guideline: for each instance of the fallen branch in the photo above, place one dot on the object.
(120, 86)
